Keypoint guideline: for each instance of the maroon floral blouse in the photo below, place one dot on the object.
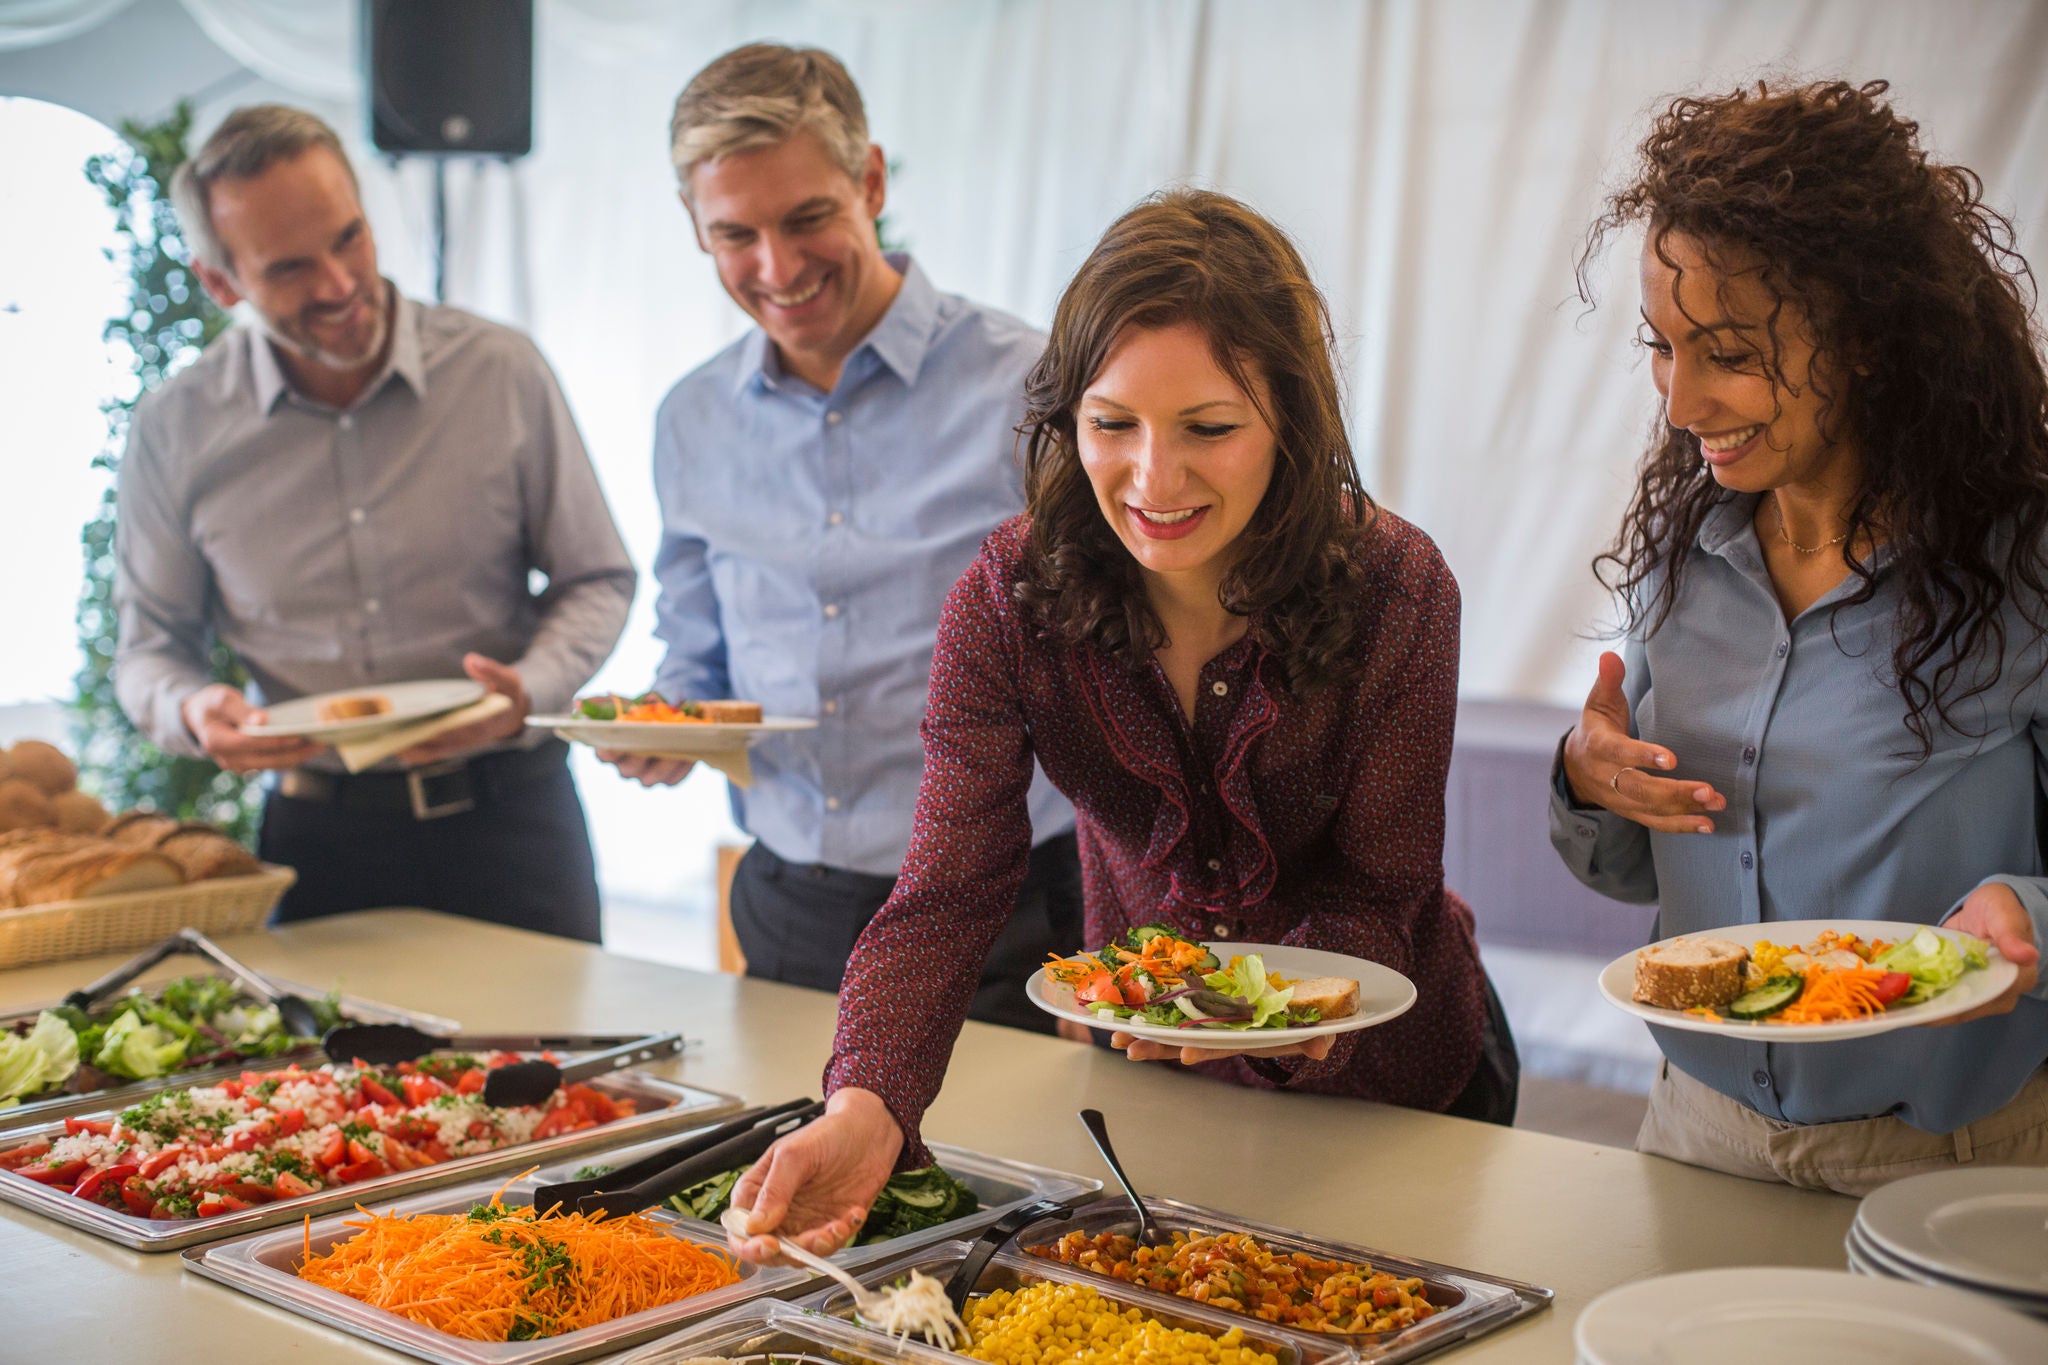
(1317, 823)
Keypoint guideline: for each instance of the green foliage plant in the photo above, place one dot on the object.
(168, 320)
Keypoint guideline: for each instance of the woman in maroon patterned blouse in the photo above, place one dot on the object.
(1241, 671)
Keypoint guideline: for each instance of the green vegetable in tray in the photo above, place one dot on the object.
(1767, 999)
(138, 1050)
(910, 1202)
(45, 1057)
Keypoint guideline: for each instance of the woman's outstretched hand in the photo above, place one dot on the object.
(1607, 768)
(815, 1186)
(1993, 913)
(1140, 1050)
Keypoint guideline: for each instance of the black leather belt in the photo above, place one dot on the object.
(430, 792)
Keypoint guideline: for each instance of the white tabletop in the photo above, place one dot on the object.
(1573, 1216)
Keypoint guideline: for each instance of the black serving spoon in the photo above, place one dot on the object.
(1148, 1231)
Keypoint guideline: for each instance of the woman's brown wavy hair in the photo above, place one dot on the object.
(1918, 301)
(1192, 256)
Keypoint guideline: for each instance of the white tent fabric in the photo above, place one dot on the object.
(1437, 159)
(32, 23)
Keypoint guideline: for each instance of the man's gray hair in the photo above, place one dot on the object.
(761, 95)
(248, 142)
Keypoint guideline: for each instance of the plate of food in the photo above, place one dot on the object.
(360, 712)
(651, 724)
(1807, 981)
(1152, 984)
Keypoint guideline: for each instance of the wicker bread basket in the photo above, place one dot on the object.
(106, 924)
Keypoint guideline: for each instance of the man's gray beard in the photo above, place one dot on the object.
(327, 358)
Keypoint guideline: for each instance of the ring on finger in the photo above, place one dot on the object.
(1614, 782)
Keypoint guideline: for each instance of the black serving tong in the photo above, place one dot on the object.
(647, 1182)
(998, 1234)
(515, 1083)
(296, 1015)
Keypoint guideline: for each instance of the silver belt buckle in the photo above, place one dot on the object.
(416, 780)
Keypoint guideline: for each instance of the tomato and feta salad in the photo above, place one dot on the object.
(212, 1149)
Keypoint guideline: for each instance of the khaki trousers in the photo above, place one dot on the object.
(1696, 1124)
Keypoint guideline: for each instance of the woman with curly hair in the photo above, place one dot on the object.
(1241, 671)
(1834, 581)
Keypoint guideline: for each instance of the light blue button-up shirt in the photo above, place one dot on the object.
(808, 542)
(1831, 815)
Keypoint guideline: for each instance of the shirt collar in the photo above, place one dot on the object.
(406, 359)
(901, 340)
(1729, 530)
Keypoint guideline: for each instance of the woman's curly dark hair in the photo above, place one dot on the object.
(1193, 256)
(1920, 307)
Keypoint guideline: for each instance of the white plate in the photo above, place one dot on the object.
(1712, 1317)
(410, 701)
(680, 738)
(1383, 994)
(1984, 1226)
(1618, 981)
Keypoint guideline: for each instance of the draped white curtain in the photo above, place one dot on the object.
(1437, 160)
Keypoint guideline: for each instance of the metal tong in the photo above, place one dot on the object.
(738, 1142)
(296, 1015)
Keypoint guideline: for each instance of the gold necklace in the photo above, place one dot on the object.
(1786, 536)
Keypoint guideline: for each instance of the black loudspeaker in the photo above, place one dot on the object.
(450, 77)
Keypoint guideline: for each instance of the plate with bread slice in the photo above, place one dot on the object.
(360, 712)
(1807, 981)
(651, 724)
(1153, 984)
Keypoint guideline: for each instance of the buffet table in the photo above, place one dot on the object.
(1573, 1216)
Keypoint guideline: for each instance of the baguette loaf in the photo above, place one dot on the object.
(88, 872)
(1690, 973)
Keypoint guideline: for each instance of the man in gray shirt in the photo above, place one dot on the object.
(360, 490)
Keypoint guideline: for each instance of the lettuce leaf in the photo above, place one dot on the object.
(138, 1050)
(1934, 961)
(1245, 977)
(45, 1057)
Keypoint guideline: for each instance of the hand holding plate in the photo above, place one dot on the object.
(650, 770)
(1142, 1050)
(1607, 768)
(1993, 912)
(496, 677)
(215, 715)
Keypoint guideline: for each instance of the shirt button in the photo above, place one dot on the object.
(1215, 864)
(831, 610)
(345, 422)
(1747, 861)
(834, 518)
(1748, 754)
(1221, 689)
(373, 606)
(1585, 831)
(830, 708)
(1784, 648)
(357, 516)
(1762, 1079)
(831, 803)
(834, 418)
(1221, 931)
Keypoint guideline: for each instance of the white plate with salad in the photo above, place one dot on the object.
(1807, 981)
(1153, 985)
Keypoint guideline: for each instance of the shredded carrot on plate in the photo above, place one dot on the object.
(499, 1274)
(1833, 997)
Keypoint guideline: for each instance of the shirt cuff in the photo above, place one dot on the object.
(2033, 894)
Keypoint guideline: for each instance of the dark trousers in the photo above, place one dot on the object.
(1496, 1083)
(520, 858)
(797, 922)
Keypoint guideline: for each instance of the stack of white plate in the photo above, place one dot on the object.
(1713, 1317)
(1984, 1230)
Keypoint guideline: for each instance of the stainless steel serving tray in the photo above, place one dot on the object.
(1013, 1270)
(1000, 1184)
(267, 1265)
(121, 1096)
(767, 1333)
(1472, 1303)
(665, 1106)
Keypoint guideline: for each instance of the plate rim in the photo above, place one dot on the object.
(360, 726)
(1954, 1002)
(1036, 988)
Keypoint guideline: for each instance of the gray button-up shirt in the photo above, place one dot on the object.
(377, 544)
(1831, 815)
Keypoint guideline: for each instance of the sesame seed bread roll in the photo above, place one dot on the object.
(1690, 973)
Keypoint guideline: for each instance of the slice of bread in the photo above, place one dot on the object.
(143, 828)
(731, 712)
(1690, 973)
(87, 872)
(352, 708)
(1334, 997)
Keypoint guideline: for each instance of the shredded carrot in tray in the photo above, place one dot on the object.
(499, 1274)
(1831, 997)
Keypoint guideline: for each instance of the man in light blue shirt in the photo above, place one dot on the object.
(823, 483)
